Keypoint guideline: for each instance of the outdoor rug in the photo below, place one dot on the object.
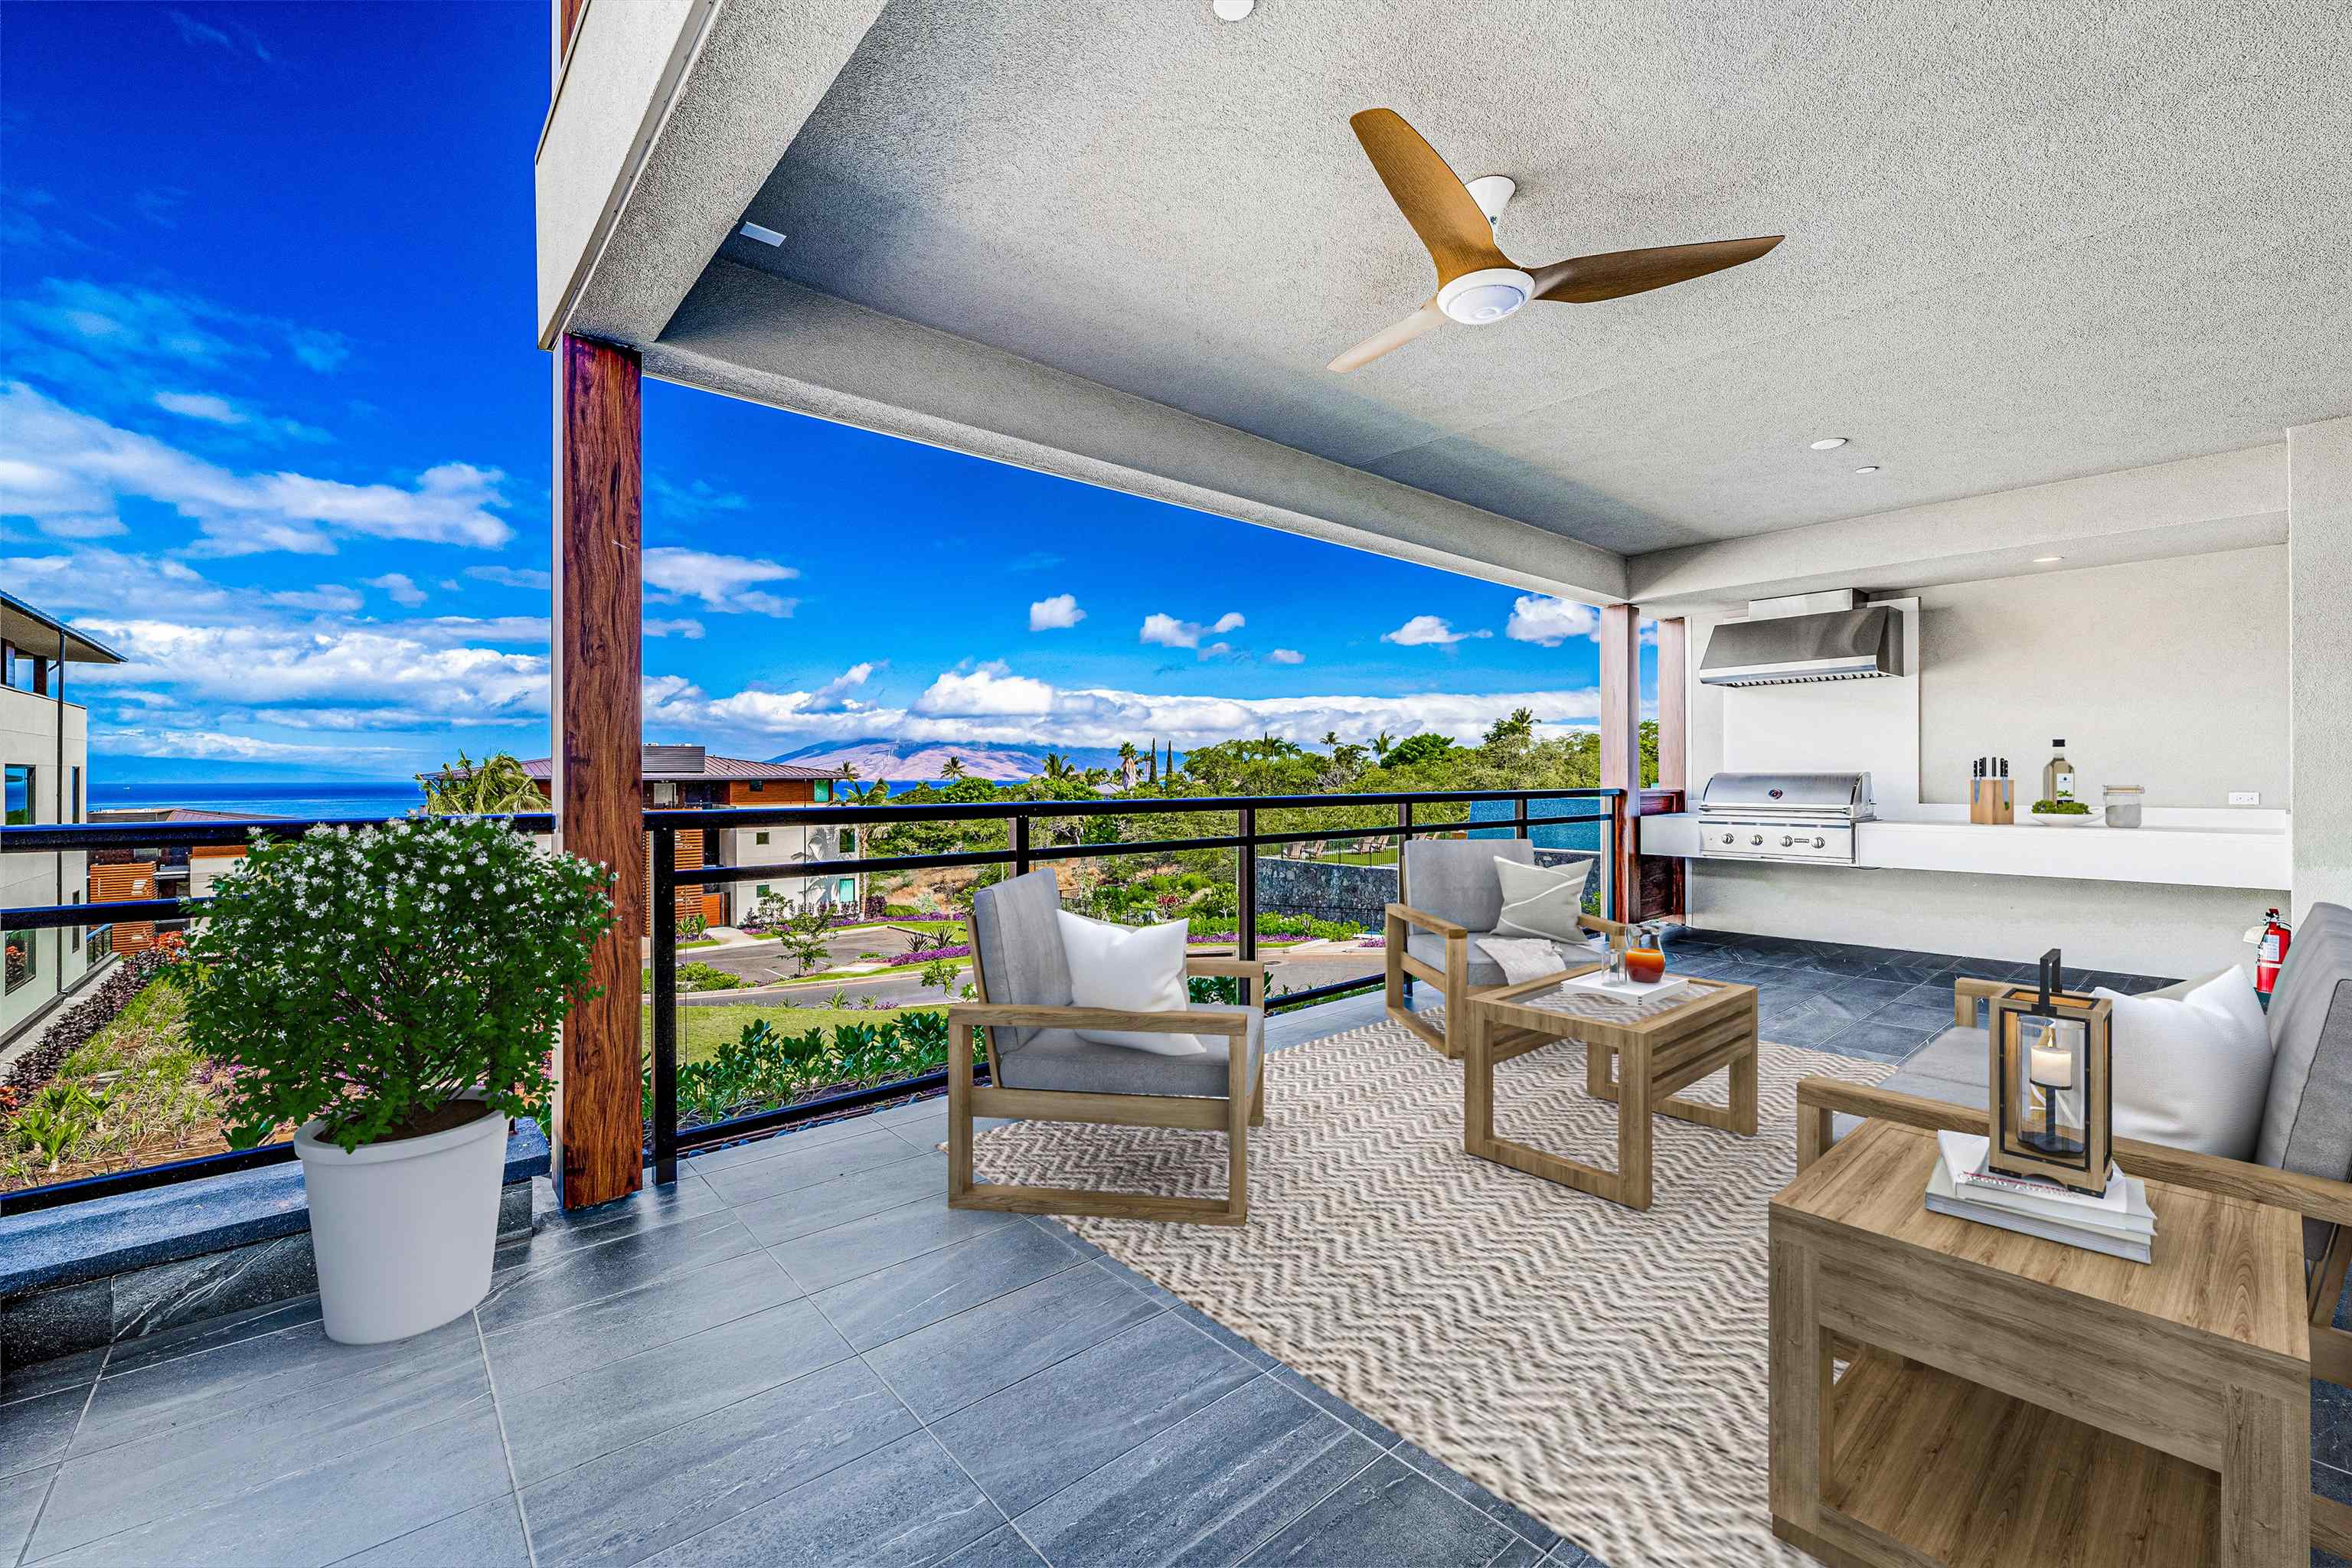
(1602, 1369)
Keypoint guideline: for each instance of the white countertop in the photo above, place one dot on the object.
(2177, 847)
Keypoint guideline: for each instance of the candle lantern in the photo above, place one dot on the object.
(2052, 1105)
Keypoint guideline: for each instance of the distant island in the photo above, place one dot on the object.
(877, 758)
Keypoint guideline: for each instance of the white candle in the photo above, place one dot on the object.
(2054, 1068)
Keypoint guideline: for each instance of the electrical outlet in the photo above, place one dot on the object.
(2245, 797)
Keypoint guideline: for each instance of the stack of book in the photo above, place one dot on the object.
(2116, 1222)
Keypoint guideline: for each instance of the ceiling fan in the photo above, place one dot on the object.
(1478, 285)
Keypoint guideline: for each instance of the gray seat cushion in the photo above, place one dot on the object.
(1016, 931)
(1058, 1059)
(1429, 948)
(1950, 1068)
(1453, 879)
(2307, 1121)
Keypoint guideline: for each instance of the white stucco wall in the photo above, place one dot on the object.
(2319, 593)
(2172, 673)
(29, 734)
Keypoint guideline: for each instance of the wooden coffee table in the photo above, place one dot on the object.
(2010, 1402)
(1641, 1057)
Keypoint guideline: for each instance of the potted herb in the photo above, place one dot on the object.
(396, 991)
(2062, 814)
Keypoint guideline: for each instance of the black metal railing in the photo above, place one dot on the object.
(1021, 852)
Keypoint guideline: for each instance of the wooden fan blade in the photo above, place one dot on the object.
(1428, 318)
(1430, 196)
(1584, 278)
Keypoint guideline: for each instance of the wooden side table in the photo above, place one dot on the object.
(1655, 1052)
(2013, 1403)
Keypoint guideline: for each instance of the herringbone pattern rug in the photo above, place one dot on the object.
(1602, 1369)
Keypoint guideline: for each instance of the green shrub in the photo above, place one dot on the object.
(2060, 808)
(369, 979)
(765, 1066)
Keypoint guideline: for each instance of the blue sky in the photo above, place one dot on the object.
(272, 422)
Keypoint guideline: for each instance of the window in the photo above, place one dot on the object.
(75, 931)
(18, 797)
(758, 788)
(848, 841)
(825, 789)
(758, 838)
(23, 958)
(74, 802)
(845, 888)
(664, 795)
(762, 889)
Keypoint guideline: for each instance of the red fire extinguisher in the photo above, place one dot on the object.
(2270, 953)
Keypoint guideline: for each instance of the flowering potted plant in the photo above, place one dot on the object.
(397, 991)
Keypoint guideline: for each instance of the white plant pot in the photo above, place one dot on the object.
(2067, 819)
(402, 1231)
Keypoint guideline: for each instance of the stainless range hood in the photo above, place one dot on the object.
(1857, 644)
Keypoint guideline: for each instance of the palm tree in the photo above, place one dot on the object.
(1056, 767)
(1127, 754)
(494, 785)
(1381, 743)
(849, 772)
(954, 769)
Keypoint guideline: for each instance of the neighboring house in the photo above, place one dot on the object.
(45, 749)
(174, 872)
(687, 776)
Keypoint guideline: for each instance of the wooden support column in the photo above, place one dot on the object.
(599, 658)
(1621, 741)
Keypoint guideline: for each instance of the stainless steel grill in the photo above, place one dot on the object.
(1782, 816)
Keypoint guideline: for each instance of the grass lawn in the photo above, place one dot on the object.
(702, 1030)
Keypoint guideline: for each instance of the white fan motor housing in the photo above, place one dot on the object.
(1481, 299)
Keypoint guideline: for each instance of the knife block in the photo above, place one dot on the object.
(1992, 800)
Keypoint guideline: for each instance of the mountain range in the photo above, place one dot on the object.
(877, 758)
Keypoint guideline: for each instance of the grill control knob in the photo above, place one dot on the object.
(1755, 838)
(1786, 841)
(1726, 838)
(1820, 843)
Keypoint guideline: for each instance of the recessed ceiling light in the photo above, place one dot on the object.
(1829, 443)
(1231, 10)
(1867, 468)
(762, 233)
(2046, 560)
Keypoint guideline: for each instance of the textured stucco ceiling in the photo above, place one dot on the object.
(2025, 241)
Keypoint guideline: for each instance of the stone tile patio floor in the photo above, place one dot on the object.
(796, 1355)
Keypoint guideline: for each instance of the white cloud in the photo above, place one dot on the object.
(723, 583)
(259, 665)
(1424, 631)
(697, 498)
(836, 695)
(57, 464)
(1169, 632)
(512, 576)
(210, 745)
(685, 626)
(988, 690)
(451, 631)
(401, 587)
(990, 703)
(1287, 655)
(201, 406)
(1540, 618)
(1056, 614)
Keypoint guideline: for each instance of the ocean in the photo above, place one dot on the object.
(294, 799)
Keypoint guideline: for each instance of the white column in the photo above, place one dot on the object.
(2319, 659)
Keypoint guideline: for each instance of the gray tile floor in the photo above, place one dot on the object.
(795, 1355)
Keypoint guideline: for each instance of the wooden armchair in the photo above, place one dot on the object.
(2325, 1205)
(1041, 1070)
(1456, 898)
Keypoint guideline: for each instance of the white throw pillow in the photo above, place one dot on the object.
(1135, 968)
(1542, 901)
(2192, 1071)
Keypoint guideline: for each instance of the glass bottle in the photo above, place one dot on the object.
(2058, 775)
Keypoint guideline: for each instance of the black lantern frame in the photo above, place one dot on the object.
(2027, 1146)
